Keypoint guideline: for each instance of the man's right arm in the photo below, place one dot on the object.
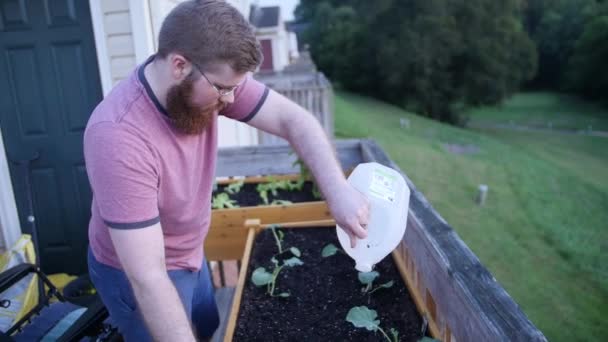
(142, 256)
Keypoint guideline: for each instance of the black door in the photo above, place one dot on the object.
(49, 84)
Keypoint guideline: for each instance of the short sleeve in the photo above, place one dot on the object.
(123, 176)
(248, 99)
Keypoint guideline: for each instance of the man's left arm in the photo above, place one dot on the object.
(282, 117)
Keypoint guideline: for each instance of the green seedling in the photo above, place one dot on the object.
(262, 190)
(273, 186)
(222, 200)
(363, 317)
(234, 188)
(329, 250)
(261, 276)
(305, 175)
(278, 238)
(367, 279)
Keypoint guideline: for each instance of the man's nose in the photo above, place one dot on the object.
(228, 98)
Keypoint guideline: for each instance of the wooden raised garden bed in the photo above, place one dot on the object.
(451, 289)
(319, 293)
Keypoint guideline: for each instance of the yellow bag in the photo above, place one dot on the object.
(24, 294)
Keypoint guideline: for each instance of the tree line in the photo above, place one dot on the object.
(436, 57)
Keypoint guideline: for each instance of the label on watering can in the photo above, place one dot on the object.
(383, 185)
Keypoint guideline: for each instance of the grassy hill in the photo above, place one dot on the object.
(543, 228)
(544, 110)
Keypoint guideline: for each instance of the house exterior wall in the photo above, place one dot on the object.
(119, 36)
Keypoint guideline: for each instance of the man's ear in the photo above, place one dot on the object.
(180, 66)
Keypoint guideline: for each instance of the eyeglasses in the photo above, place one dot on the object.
(221, 91)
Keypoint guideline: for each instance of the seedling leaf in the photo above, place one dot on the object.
(293, 262)
(388, 284)
(295, 251)
(329, 250)
(283, 294)
(261, 277)
(234, 187)
(395, 334)
(222, 200)
(367, 278)
(362, 317)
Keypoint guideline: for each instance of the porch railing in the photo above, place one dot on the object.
(311, 90)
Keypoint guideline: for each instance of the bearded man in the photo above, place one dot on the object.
(150, 151)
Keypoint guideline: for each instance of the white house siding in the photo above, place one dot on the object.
(118, 31)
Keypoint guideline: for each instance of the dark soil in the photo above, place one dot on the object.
(322, 290)
(249, 196)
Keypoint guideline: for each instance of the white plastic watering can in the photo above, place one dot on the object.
(389, 198)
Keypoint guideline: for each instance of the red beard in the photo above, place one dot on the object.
(186, 117)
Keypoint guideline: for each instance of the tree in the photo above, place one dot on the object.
(425, 55)
(587, 71)
(555, 26)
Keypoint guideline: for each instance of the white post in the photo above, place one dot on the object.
(482, 194)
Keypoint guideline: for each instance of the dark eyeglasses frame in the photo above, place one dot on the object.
(220, 91)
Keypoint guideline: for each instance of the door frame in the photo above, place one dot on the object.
(143, 37)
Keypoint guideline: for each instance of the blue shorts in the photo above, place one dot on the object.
(195, 290)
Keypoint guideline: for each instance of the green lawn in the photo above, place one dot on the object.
(545, 220)
(544, 109)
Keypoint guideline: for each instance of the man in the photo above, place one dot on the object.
(150, 150)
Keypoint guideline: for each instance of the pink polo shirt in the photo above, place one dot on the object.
(142, 171)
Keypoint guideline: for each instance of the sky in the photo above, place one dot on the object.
(287, 6)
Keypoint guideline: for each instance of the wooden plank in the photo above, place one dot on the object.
(468, 298)
(257, 179)
(236, 302)
(234, 217)
(226, 238)
(408, 279)
(224, 245)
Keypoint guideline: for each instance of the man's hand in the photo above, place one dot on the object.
(350, 209)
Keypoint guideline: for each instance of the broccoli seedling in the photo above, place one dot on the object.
(367, 279)
(329, 250)
(278, 238)
(234, 188)
(363, 317)
(261, 276)
(305, 175)
(222, 200)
